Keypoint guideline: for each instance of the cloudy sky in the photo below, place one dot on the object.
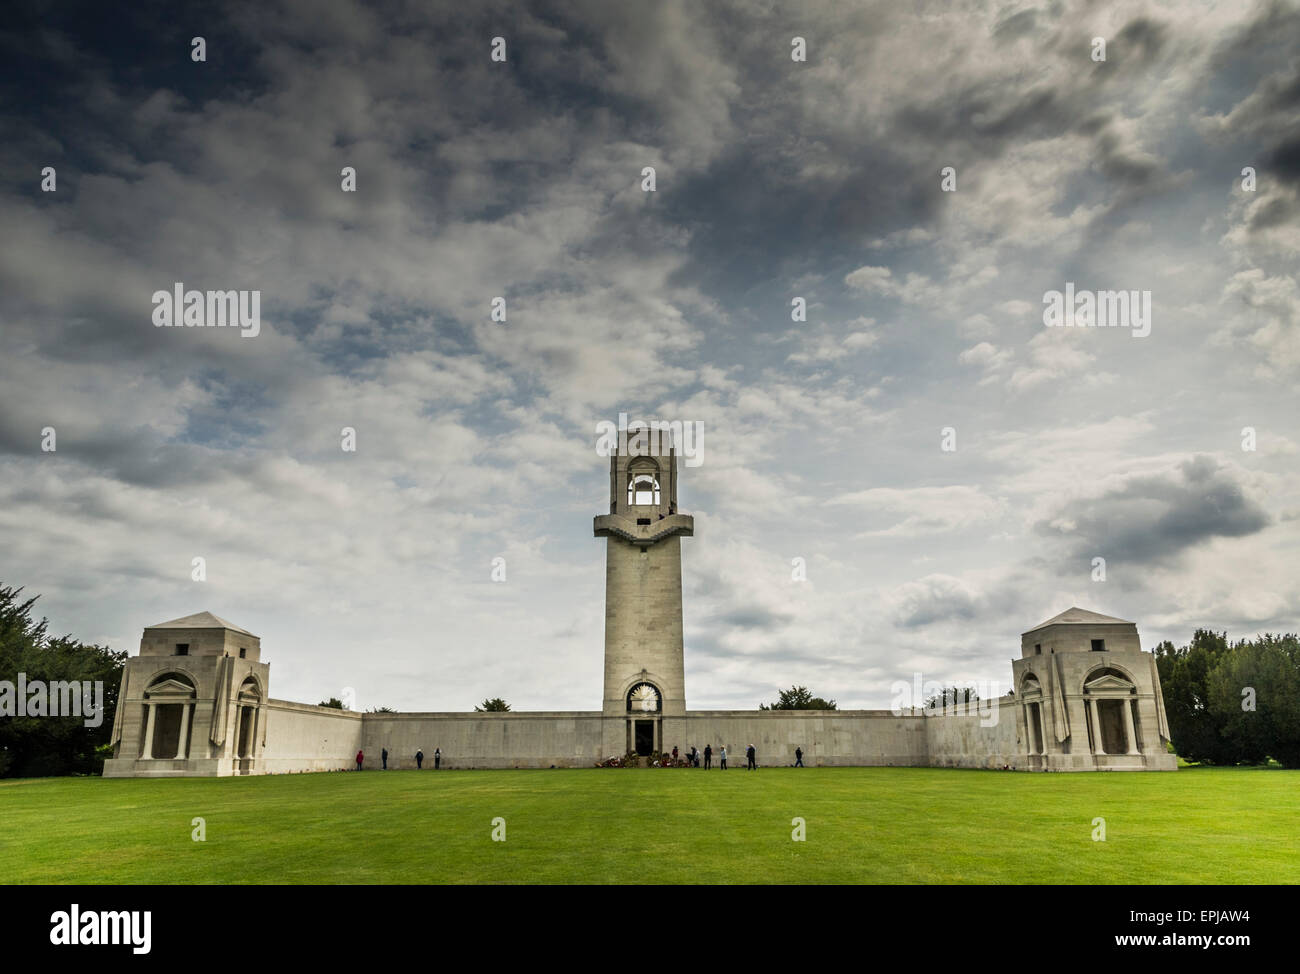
(775, 179)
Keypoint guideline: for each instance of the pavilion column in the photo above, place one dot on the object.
(1097, 746)
(1128, 726)
(184, 740)
(1029, 730)
(252, 731)
(148, 731)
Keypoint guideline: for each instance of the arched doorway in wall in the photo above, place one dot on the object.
(1031, 699)
(168, 717)
(644, 708)
(1110, 700)
(249, 703)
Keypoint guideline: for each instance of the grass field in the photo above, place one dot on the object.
(864, 825)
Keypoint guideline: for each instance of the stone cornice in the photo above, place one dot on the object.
(645, 534)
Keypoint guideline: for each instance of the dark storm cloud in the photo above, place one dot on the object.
(1284, 160)
(752, 217)
(947, 601)
(982, 115)
(1017, 24)
(1273, 30)
(935, 603)
(1142, 37)
(1254, 66)
(1277, 211)
(752, 617)
(1154, 519)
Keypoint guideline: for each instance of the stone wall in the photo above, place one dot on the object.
(965, 742)
(828, 737)
(485, 740)
(302, 737)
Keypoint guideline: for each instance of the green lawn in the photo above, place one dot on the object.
(864, 825)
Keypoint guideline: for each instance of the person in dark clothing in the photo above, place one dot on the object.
(419, 759)
(360, 757)
(437, 759)
(674, 754)
(708, 756)
(693, 758)
(750, 754)
(383, 756)
(798, 757)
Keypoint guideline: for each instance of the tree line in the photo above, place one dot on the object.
(1233, 703)
(34, 746)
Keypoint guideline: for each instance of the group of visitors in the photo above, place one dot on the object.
(692, 759)
(694, 756)
(751, 757)
(419, 758)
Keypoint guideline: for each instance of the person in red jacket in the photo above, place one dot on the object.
(360, 757)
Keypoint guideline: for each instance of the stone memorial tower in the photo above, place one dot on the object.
(645, 684)
(192, 703)
(1089, 697)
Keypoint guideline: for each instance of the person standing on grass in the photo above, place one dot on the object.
(360, 757)
(722, 757)
(674, 754)
(708, 756)
(798, 757)
(419, 759)
(437, 759)
(383, 756)
(749, 759)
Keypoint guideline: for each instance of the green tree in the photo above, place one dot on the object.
(494, 706)
(1195, 729)
(43, 746)
(1254, 696)
(381, 710)
(950, 698)
(334, 702)
(798, 698)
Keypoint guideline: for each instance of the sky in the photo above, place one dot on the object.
(775, 179)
